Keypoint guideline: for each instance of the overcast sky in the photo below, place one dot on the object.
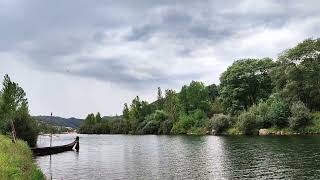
(79, 56)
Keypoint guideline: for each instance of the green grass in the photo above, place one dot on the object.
(16, 161)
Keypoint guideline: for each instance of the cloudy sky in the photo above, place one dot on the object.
(79, 56)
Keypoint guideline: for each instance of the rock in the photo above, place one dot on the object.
(214, 132)
(278, 133)
(263, 132)
(282, 133)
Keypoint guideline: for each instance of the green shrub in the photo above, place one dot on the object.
(261, 111)
(219, 123)
(247, 123)
(177, 128)
(26, 128)
(199, 118)
(300, 116)
(279, 114)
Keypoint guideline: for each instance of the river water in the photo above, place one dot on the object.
(184, 157)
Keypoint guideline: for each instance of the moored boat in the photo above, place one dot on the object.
(42, 151)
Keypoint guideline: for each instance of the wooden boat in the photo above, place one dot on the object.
(42, 151)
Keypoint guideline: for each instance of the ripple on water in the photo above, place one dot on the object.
(185, 157)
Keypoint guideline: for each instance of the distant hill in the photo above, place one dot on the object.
(59, 121)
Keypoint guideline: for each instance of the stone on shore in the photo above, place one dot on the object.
(263, 132)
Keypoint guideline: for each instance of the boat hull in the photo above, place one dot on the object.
(43, 151)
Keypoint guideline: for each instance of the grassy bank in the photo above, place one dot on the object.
(16, 161)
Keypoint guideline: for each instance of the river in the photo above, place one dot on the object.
(184, 157)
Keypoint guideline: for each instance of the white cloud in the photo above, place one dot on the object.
(74, 58)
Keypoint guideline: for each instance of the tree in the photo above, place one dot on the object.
(13, 97)
(213, 91)
(297, 75)
(125, 111)
(98, 118)
(244, 83)
(90, 119)
(160, 100)
(26, 127)
(160, 97)
(171, 105)
(14, 107)
(193, 97)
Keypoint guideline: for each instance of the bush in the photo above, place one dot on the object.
(165, 127)
(178, 129)
(279, 114)
(300, 116)
(26, 128)
(199, 118)
(247, 123)
(151, 127)
(261, 111)
(219, 123)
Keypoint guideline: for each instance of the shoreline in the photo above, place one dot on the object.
(17, 161)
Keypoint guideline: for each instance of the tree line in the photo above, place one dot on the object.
(252, 94)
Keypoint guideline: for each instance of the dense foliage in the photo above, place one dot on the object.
(14, 107)
(253, 94)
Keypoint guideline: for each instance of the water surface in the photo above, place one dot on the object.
(184, 157)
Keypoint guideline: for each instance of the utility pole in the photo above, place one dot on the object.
(51, 131)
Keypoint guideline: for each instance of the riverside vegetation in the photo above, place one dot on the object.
(16, 161)
(279, 95)
(16, 158)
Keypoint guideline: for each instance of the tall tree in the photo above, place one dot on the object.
(213, 92)
(244, 83)
(13, 97)
(160, 99)
(297, 76)
(193, 97)
(159, 94)
(125, 111)
(14, 106)
(171, 105)
(98, 118)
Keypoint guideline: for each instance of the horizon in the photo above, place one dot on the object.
(72, 64)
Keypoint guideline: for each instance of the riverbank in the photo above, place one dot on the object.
(16, 161)
(313, 128)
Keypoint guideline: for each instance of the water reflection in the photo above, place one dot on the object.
(185, 157)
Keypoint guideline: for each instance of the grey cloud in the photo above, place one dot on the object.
(54, 33)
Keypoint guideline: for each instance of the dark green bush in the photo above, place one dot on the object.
(247, 123)
(300, 116)
(219, 123)
(279, 114)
